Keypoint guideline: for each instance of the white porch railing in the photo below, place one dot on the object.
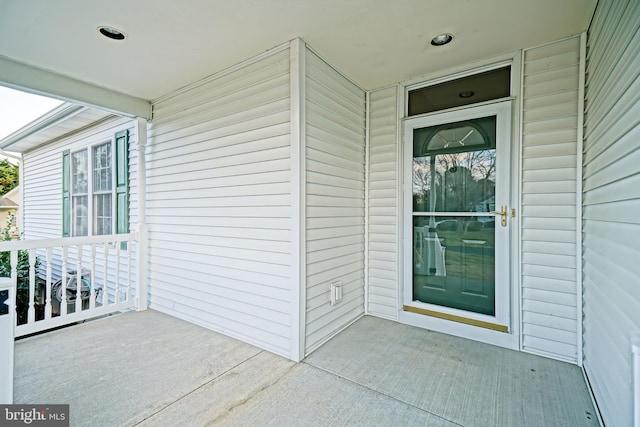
(62, 281)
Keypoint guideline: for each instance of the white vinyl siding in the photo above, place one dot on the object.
(550, 310)
(335, 158)
(219, 203)
(383, 203)
(611, 202)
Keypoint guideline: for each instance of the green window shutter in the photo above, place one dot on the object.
(122, 182)
(66, 194)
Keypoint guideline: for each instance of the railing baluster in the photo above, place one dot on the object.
(92, 280)
(129, 250)
(63, 284)
(118, 296)
(31, 312)
(13, 261)
(50, 285)
(105, 289)
(79, 280)
(47, 297)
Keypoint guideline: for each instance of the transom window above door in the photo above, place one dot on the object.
(485, 86)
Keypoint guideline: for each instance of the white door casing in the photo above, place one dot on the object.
(448, 319)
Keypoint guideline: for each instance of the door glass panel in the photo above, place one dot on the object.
(454, 166)
(454, 173)
(454, 262)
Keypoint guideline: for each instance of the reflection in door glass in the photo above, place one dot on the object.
(454, 171)
(454, 262)
(454, 167)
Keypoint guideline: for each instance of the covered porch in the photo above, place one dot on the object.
(269, 190)
(148, 368)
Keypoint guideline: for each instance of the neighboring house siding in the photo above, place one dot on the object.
(219, 203)
(383, 203)
(550, 310)
(9, 207)
(611, 202)
(335, 175)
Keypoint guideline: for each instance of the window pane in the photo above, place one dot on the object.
(102, 168)
(454, 167)
(79, 176)
(102, 213)
(80, 216)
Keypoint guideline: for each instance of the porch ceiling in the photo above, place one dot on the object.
(170, 44)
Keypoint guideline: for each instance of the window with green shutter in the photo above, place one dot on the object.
(95, 188)
(66, 195)
(122, 182)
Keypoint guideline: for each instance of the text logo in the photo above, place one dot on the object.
(34, 415)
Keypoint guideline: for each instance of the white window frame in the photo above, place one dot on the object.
(92, 223)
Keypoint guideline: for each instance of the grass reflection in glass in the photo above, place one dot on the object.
(454, 264)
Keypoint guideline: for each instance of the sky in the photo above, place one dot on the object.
(20, 108)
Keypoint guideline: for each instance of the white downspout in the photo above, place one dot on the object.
(142, 259)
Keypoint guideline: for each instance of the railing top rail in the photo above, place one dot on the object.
(65, 241)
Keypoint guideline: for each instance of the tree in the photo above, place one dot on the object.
(8, 176)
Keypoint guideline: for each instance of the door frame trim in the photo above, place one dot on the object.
(513, 338)
(449, 320)
(503, 293)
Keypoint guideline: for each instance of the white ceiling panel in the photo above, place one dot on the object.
(171, 44)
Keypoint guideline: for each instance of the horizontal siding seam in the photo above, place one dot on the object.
(359, 107)
(206, 103)
(548, 94)
(547, 132)
(547, 337)
(606, 184)
(556, 117)
(549, 70)
(231, 70)
(241, 115)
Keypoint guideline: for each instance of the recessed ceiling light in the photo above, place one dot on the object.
(466, 94)
(441, 40)
(111, 33)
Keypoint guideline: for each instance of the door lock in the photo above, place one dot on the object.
(503, 215)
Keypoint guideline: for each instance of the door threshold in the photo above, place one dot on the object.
(459, 319)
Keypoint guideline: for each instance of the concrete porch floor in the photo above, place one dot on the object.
(150, 369)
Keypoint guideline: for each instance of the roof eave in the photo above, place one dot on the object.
(52, 118)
